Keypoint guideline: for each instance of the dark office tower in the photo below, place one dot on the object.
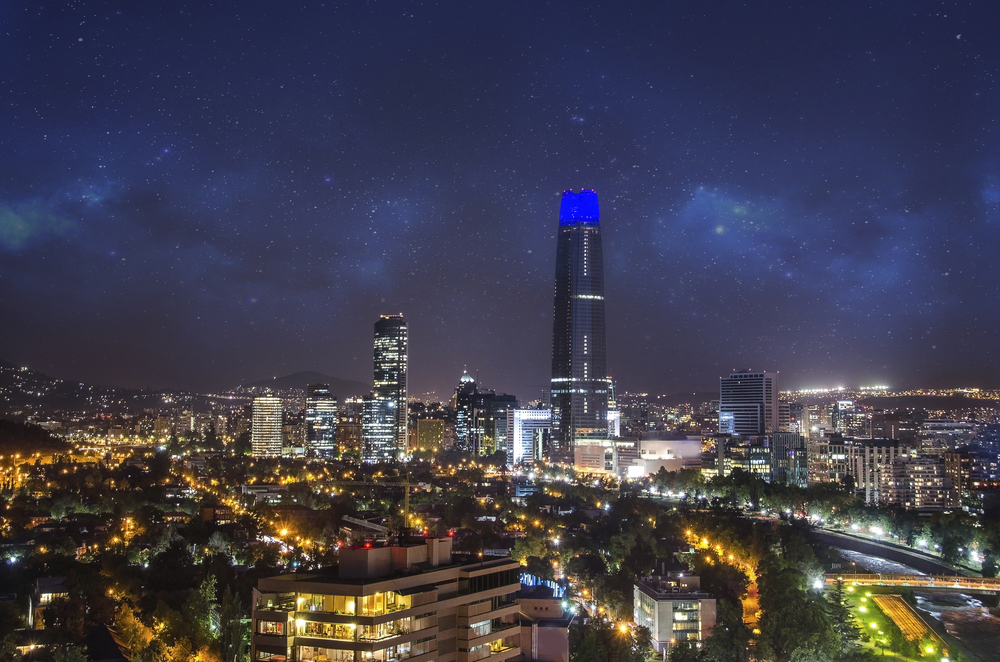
(579, 365)
(390, 379)
(321, 421)
(748, 403)
(464, 395)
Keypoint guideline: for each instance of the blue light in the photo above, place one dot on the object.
(579, 208)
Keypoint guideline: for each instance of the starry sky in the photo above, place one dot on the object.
(203, 194)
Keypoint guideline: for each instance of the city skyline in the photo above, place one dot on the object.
(192, 201)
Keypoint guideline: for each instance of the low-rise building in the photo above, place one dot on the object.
(671, 606)
(47, 590)
(544, 625)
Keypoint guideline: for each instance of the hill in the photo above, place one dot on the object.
(929, 402)
(25, 439)
(342, 388)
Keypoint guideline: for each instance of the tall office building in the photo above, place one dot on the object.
(748, 403)
(321, 421)
(349, 426)
(465, 393)
(391, 342)
(527, 431)
(378, 430)
(580, 386)
(266, 434)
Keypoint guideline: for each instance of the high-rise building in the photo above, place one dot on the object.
(378, 426)
(489, 422)
(919, 483)
(430, 434)
(349, 426)
(321, 421)
(869, 463)
(465, 393)
(748, 403)
(266, 433)
(527, 433)
(580, 384)
(789, 458)
(391, 342)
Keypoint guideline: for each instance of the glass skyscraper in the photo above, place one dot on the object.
(321, 421)
(580, 387)
(384, 422)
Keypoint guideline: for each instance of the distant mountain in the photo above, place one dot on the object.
(928, 402)
(25, 392)
(342, 388)
(684, 398)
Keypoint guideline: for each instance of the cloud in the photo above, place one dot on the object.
(33, 220)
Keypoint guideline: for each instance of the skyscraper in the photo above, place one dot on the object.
(580, 386)
(266, 434)
(391, 342)
(378, 426)
(748, 403)
(321, 421)
(464, 395)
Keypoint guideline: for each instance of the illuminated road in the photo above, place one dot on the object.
(907, 620)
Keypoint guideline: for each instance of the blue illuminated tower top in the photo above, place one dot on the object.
(579, 208)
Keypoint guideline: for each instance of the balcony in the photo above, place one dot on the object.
(469, 614)
(486, 653)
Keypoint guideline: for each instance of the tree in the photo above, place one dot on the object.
(685, 652)
(233, 632)
(201, 614)
(795, 626)
(991, 563)
(130, 629)
(846, 627)
(730, 638)
(70, 654)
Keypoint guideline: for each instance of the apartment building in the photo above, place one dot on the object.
(400, 602)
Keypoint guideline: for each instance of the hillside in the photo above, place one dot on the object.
(342, 388)
(25, 439)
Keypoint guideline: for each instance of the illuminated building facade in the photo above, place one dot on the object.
(378, 430)
(465, 393)
(580, 387)
(527, 432)
(267, 430)
(405, 602)
(391, 342)
(321, 421)
(748, 403)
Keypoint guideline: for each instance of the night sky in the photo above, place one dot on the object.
(198, 195)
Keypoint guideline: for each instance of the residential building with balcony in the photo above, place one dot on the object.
(401, 602)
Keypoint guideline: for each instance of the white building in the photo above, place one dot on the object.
(526, 429)
(671, 606)
(869, 462)
(748, 403)
(266, 434)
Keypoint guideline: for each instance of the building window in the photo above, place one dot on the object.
(270, 627)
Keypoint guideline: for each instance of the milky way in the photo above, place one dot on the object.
(198, 195)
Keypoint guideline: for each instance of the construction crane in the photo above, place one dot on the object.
(386, 482)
